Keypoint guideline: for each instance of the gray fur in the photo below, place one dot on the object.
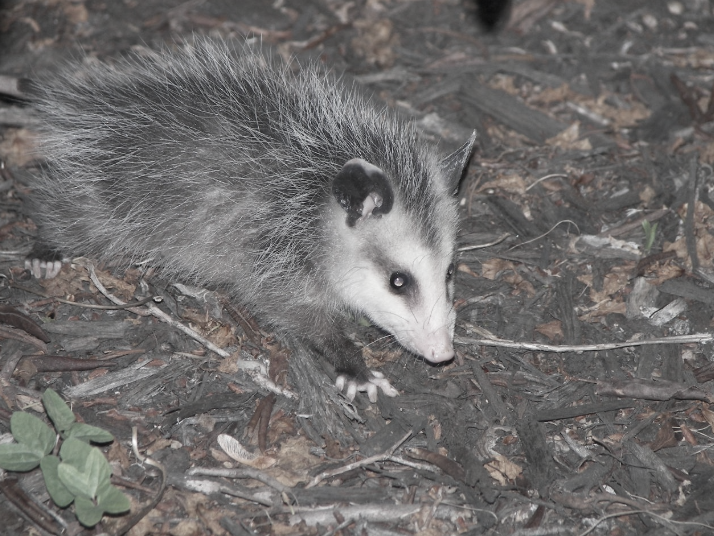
(216, 164)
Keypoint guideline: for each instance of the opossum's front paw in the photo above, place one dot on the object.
(44, 261)
(43, 269)
(371, 386)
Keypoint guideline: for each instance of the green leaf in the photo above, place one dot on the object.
(75, 452)
(57, 410)
(111, 500)
(19, 457)
(88, 433)
(31, 431)
(98, 468)
(72, 470)
(650, 235)
(83, 468)
(87, 513)
(76, 481)
(61, 496)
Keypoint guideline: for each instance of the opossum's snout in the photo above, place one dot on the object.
(439, 347)
(422, 317)
(425, 330)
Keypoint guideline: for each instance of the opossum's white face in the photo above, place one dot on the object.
(385, 270)
(403, 287)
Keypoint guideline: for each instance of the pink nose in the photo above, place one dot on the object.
(439, 355)
(435, 346)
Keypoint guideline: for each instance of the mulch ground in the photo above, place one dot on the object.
(580, 398)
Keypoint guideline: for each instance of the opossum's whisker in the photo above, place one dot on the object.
(388, 337)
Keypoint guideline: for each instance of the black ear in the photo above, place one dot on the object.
(455, 164)
(362, 191)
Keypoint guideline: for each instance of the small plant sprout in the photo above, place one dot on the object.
(80, 474)
(650, 233)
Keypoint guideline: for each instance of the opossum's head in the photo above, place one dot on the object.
(394, 258)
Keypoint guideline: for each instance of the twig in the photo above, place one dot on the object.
(376, 458)
(158, 313)
(414, 465)
(645, 262)
(551, 176)
(233, 492)
(7, 332)
(545, 234)
(138, 516)
(86, 305)
(660, 518)
(151, 309)
(689, 231)
(448, 466)
(637, 224)
(677, 339)
(13, 355)
(243, 472)
(487, 245)
(319, 38)
(346, 523)
(30, 508)
(375, 513)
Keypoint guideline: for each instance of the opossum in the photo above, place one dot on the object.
(289, 191)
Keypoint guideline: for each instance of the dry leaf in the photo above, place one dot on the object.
(75, 12)
(116, 286)
(708, 416)
(507, 183)
(491, 268)
(586, 279)
(619, 117)
(504, 82)
(703, 222)
(701, 58)
(604, 308)
(706, 153)
(553, 330)
(223, 337)
(688, 435)
(615, 282)
(658, 273)
(502, 470)
(461, 267)
(376, 41)
(65, 284)
(519, 284)
(158, 445)
(569, 139)
(553, 95)
(229, 365)
(236, 451)
(294, 461)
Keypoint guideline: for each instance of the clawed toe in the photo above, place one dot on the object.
(43, 269)
(372, 386)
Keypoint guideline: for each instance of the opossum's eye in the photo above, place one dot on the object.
(399, 281)
(450, 272)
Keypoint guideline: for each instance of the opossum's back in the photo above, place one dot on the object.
(227, 110)
(177, 119)
(213, 163)
(158, 156)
